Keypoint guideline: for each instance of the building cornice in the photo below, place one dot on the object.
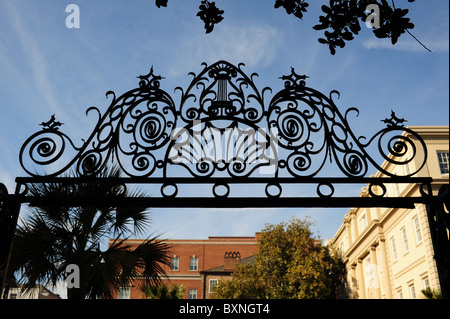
(374, 229)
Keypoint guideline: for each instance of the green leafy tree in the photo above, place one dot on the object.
(290, 264)
(54, 237)
(161, 291)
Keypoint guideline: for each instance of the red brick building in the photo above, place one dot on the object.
(190, 257)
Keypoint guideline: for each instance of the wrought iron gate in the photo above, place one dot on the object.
(224, 134)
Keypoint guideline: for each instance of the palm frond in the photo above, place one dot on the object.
(53, 237)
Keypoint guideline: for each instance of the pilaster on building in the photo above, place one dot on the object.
(389, 251)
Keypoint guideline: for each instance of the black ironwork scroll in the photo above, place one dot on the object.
(224, 131)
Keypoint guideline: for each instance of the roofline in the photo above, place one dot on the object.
(216, 270)
(209, 240)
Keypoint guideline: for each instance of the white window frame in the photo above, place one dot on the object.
(393, 249)
(175, 264)
(407, 168)
(425, 282)
(369, 274)
(443, 160)
(412, 291)
(404, 240)
(192, 294)
(363, 223)
(417, 229)
(193, 264)
(212, 284)
(397, 189)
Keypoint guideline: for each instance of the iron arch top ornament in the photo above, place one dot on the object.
(225, 130)
(222, 124)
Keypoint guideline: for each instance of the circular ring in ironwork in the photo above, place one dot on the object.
(373, 193)
(276, 190)
(169, 194)
(321, 193)
(220, 185)
(119, 189)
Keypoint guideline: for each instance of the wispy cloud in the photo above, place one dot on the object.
(253, 44)
(33, 53)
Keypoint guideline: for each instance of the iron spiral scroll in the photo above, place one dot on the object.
(223, 130)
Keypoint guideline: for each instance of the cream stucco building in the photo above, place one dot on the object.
(388, 251)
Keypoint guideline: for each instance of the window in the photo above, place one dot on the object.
(343, 245)
(412, 291)
(363, 223)
(369, 272)
(175, 264)
(407, 169)
(404, 240)
(417, 229)
(192, 293)
(443, 162)
(193, 266)
(393, 250)
(212, 285)
(397, 189)
(341, 248)
(400, 294)
(124, 293)
(426, 283)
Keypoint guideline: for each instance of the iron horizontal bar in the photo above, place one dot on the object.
(228, 180)
(229, 202)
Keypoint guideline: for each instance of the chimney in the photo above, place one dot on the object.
(230, 260)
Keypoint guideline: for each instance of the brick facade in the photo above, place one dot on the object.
(192, 256)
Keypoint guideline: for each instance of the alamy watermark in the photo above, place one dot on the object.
(372, 21)
(73, 276)
(73, 19)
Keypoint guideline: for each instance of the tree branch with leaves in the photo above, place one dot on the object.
(341, 21)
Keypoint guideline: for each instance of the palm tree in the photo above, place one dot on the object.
(53, 237)
(429, 293)
(163, 292)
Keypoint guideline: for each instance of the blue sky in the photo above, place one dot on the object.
(47, 68)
